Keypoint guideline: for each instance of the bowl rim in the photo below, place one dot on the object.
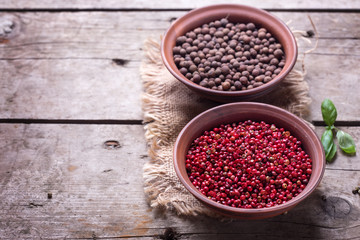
(219, 206)
(248, 92)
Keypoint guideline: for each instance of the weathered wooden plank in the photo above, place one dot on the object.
(70, 89)
(104, 34)
(97, 192)
(101, 89)
(183, 4)
(94, 189)
(60, 65)
(335, 78)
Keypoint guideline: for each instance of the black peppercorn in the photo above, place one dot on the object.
(229, 56)
(196, 78)
(225, 86)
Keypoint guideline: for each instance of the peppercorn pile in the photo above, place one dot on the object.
(248, 165)
(229, 57)
(356, 190)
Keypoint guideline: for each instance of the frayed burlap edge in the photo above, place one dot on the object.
(167, 107)
(161, 185)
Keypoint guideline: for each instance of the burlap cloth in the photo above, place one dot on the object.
(168, 105)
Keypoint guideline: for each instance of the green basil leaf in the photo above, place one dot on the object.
(327, 140)
(331, 153)
(329, 112)
(346, 142)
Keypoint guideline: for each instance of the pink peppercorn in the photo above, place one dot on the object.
(248, 165)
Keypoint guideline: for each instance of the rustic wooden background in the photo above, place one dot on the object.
(70, 82)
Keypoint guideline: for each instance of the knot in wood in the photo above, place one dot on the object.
(6, 27)
(9, 27)
(111, 144)
(336, 207)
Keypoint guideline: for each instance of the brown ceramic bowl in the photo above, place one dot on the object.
(235, 14)
(236, 112)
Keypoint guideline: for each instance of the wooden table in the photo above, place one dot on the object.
(70, 82)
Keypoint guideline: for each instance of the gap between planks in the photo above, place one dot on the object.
(354, 10)
(131, 122)
(72, 121)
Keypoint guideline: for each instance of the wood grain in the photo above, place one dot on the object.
(84, 65)
(183, 4)
(78, 62)
(97, 192)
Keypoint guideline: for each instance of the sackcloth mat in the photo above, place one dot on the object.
(168, 105)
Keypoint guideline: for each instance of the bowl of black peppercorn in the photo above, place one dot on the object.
(229, 52)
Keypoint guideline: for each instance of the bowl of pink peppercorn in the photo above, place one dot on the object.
(249, 160)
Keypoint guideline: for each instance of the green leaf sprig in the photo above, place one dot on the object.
(345, 141)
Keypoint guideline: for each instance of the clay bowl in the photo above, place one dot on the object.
(235, 14)
(236, 112)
